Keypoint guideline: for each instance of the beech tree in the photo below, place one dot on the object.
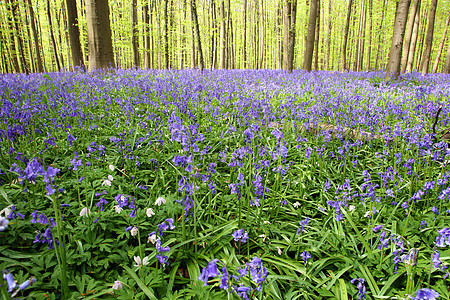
(309, 47)
(393, 66)
(425, 61)
(101, 54)
(348, 35)
(74, 33)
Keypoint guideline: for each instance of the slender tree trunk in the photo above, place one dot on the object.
(101, 55)
(166, 35)
(222, 53)
(447, 61)
(30, 46)
(58, 29)
(347, 25)
(279, 35)
(369, 44)
(383, 14)
(52, 36)
(441, 46)
(309, 47)
(147, 32)
(13, 51)
(244, 35)
(409, 30)
(317, 37)
(393, 67)
(420, 51)
(412, 46)
(330, 27)
(197, 34)
(213, 36)
(35, 38)
(135, 34)
(429, 40)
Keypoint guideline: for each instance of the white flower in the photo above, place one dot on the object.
(152, 239)
(279, 251)
(160, 201)
(266, 222)
(134, 231)
(138, 261)
(367, 214)
(85, 211)
(263, 236)
(3, 223)
(117, 285)
(296, 204)
(6, 211)
(150, 212)
(111, 167)
(106, 182)
(117, 208)
(110, 178)
(351, 208)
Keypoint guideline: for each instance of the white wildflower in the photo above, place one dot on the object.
(106, 182)
(296, 204)
(279, 251)
(117, 285)
(150, 212)
(160, 201)
(111, 167)
(117, 208)
(266, 222)
(140, 262)
(134, 231)
(85, 211)
(152, 239)
(263, 236)
(351, 208)
(110, 178)
(367, 214)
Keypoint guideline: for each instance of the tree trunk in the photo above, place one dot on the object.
(317, 37)
(309, 47)
(166, 35)
(369, 44)
(393, 67)
(101, 55)
(279, 30)
(197, 34)
(213, 36)
(412, 46)
(409, 30)
(147, 32)
(52, 36)
(425, 61)
(347, 25)
(222, 53)
(135, 34)
(330, 26)
(441, 46)
(383, 14)
(35, 38)
(447, 61)
(244, 35)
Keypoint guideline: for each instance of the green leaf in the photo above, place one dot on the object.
(139, 282)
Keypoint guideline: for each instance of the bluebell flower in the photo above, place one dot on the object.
(426, 294)
(240, 235)
(361, 287)
(305, 256)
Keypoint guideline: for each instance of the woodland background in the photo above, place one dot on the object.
(50, 35)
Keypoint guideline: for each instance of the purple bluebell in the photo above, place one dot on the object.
(426, 294)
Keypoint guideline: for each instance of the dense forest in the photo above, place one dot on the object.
(50, 35)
